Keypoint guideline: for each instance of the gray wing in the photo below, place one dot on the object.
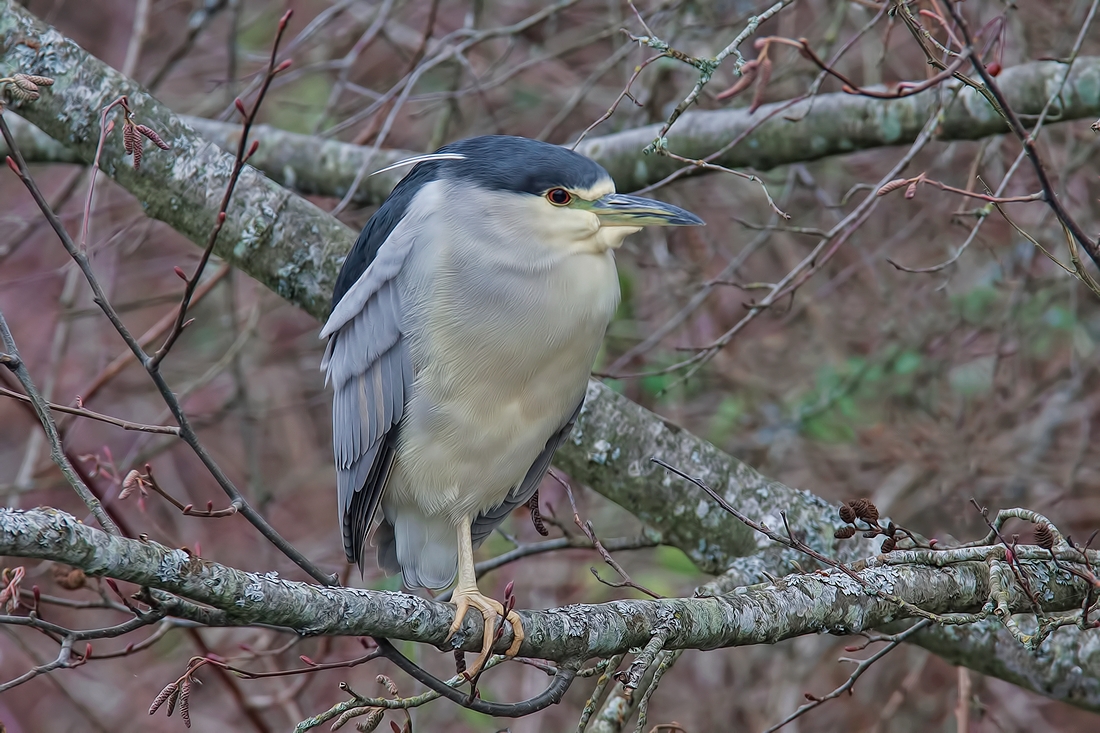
(490, 519)
(368, 364)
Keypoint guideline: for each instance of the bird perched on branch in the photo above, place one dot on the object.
(464, 324)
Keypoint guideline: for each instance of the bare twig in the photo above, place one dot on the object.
(12, 361)
(1091, 247)
(91, 415)
(862, 665)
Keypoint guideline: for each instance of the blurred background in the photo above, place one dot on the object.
(919, 390)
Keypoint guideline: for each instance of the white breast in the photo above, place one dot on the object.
(502, 358)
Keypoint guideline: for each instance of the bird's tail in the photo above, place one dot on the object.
(423, 549)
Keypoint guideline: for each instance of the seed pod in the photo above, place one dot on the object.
(168, 691)
(22, 92)
(138, 152)
(889, 544)
(536, 515)
(1044, 536)
(152, 135)
(893, 185)
(129, 138)
(865, 510)
(844, 533)
(40, 81)
(185, 697)
(847, 514)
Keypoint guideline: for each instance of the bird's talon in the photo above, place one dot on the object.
(517, 634)
(491, 611)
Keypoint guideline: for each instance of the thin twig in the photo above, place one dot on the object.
(12, 361)
(91, 415)
(862, 665)
(1091, 247)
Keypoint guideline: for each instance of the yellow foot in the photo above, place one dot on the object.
(491, 611)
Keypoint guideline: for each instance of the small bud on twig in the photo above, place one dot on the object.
(893, 185)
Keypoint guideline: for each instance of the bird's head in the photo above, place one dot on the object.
(538, 192)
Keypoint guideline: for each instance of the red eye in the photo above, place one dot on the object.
(558, 196)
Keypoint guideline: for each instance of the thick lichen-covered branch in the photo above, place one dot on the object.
(268, 229)
(819, 602)
(829, 124)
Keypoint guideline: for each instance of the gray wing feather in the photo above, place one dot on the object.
(367, 363)
(490, 519)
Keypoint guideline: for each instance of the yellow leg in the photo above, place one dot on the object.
(467, 595)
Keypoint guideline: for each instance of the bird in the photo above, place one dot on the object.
(465, 322)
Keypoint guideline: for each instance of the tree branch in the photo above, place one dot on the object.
(828, 124)
(793, 606)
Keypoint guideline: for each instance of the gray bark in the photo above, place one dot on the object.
(820, 602)
(295, 249)
(1063, 668)
(281, 239)
(829, 124)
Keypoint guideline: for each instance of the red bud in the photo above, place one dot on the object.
(994, 69)
(286, 18)
(283, 66)
(221, 217)
(308, 661)
(180, 273)
(240, 107)
(509, 588)
(13, 166)
(252, 149)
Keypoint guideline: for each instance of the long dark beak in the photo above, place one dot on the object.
(619, 209)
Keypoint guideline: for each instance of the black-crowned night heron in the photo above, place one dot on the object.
(464, 324)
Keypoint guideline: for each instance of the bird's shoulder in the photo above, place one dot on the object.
(378, 229)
